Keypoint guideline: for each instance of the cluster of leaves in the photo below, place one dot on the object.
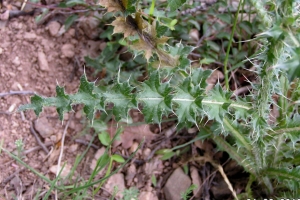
(264, 146)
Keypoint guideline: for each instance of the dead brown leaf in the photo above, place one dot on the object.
(112, 5)
(122, 26)
(150, 44)
(141, 45)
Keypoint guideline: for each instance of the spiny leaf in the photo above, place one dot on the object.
(62, 102)
(184, 63)
(285, 174)
(188, 99)
(37, 104)
(156, 98)
(86, 95)
(220, 102)
(291, 129)
(181, 49)
(199, 77)
(123, 99)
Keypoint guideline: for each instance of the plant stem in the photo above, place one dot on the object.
(229, 46)
(236, 134)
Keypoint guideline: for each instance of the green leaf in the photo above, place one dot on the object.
(225, 18)
(292, 65)
(156, 99)
(246, 26)
(123, 99)
(99, 125)
(195, 23)
(285, 174)
(102, 161)
(118, 158)
(169, 22)
(207, 61)
(70, 20)
(274, 32)
(72, 3)
(175, 4)
(186, 98)
(154, 180)
(130, 10)
(107, 33)
(184, 63)
(37, 103)
(199, 77)
(104, 138)
(62, 102)
(86, 96)
(161, 30)
(167, 155)
(163, 151)
(90, 62)
(181, 49)
(156, 13)
(109, 51)
(217, 98)
(41, 16)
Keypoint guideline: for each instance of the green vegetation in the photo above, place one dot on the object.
(259, 129)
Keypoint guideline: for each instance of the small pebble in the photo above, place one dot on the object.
(43, 62)
(68, 50)
(30, 36)
(16, 61)
(53, 28)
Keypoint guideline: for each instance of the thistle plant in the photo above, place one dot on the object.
(242, 126)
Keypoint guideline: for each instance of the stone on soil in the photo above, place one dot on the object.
(196, 181)
(98, 154)
(43, 62)
(68, 50)
(177, 183)
(64, 172)
(116, 180)
(53, 28)
(16, 61)
(130, 174)
(73, 148)
(44, 128)
(147, 196)
(29, 36)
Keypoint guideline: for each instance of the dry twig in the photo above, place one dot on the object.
(61, 151)
(16, 93)
(80, 141)
(37, 138)
(5, 181)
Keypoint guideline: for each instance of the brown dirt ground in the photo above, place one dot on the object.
(21, 41)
